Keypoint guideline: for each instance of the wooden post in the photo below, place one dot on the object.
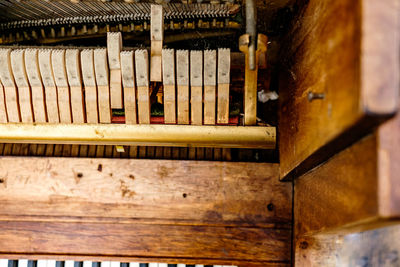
(114, 46)
(89, 80)
(128, 81)
(50, 89)
(10, 90)
(21, 80)
(60, 77)
(182, 71)
(142, 81)
(168, 63)
(224, 65)
(156, 39)
(35, 80)
(250, 82)
(196, 87)
(103, 84)
(72, 60)
(210, 80)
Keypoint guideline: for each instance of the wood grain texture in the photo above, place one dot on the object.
(222, 213)
(338, 48)
(353, 190)
(144, 241)
(379, 247)
(214, 193)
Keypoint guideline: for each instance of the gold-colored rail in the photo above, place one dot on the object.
(141, 135)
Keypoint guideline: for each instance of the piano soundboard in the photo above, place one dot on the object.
(70, 263)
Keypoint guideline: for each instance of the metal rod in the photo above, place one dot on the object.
(251, 29)
(150, 135)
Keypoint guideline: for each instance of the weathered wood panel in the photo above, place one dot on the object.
(356, 189)
(347, 51)
(138, 240)
(180, 192)
(380, 247)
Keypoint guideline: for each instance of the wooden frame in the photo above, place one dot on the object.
(132, 203)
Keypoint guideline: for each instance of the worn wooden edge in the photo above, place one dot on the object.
(375, 54)
(360, 128)
(125, 240)
(156, 134)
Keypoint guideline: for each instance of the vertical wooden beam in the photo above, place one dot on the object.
(210, 80)
(114, 46)
(21, 80)
(156, 39)
(10, 90)
(128, 81)
(50, 89)
(224, 68)
(182, 72)
(35, 80)
(60, 77)
(72, 60)
(89, 80)
(142, 81)
(196, 87)
(103, 85)
(168, 64)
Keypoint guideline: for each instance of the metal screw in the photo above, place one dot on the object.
(312, 96)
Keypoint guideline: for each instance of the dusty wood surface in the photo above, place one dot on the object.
(145, 240)
(214, 193)
(356, 189)
(337, 48)
(380, 247)
(230, 212)
(341, 192)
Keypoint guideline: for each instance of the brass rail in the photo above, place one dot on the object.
(141, 135)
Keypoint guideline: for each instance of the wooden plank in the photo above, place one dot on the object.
(66, 189)
(124, 240)
(156, 42)
(142, 81)
(61, 80)
(128, 81)
(336, 185)
(10, 89)
(89, 81)
(224, 65)
(169, 88)
(114, 47)
(196, 87)
(210, 80)
(103, 84)
(355, 99)
(182, 74)
(21, 79)
(35, 81)
(73, 66)
(3, 111)
(50, 89)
